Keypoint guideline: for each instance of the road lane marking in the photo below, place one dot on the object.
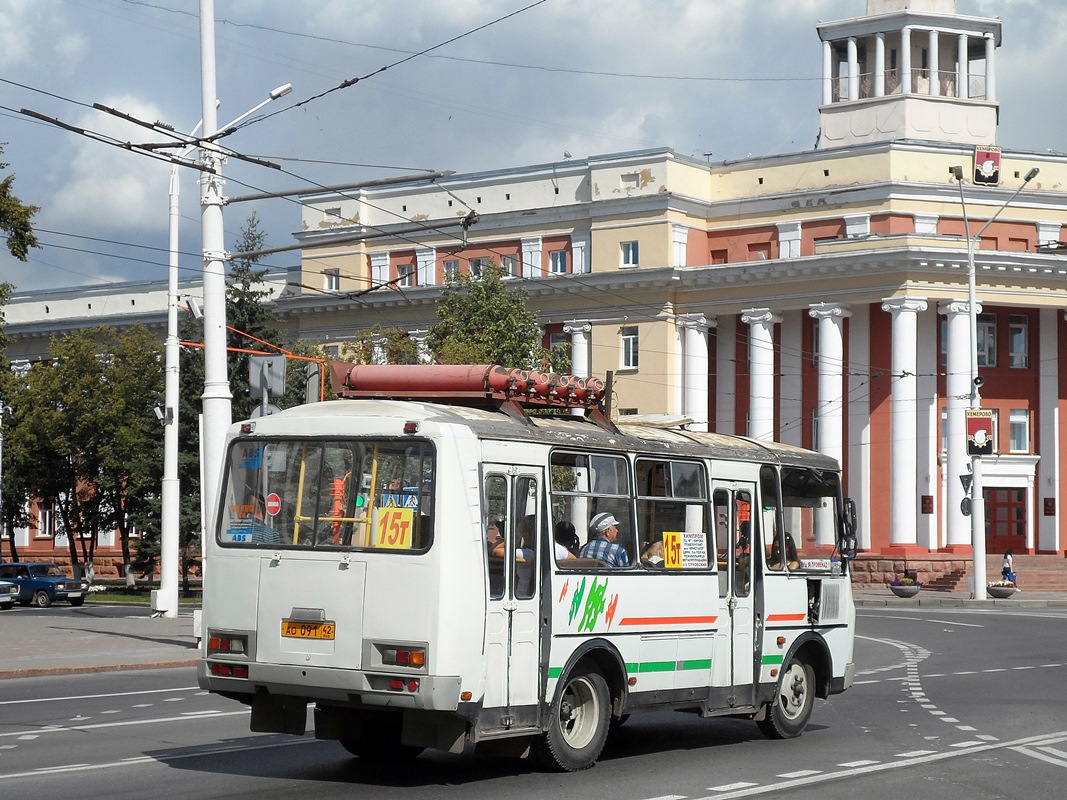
(801, 773)
(731, 787)
(129, 762)
(96, 696)
(125, 723)
(903, 763)
(866, 762)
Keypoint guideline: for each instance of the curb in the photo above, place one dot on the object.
(957, 602)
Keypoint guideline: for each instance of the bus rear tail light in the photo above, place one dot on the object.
(398, 685)
(404, 657)
(228, 670)
(234, 645)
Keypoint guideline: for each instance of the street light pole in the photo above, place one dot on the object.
(978, 527)
(166, 602)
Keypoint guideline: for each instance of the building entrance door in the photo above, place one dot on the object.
(1005, 514)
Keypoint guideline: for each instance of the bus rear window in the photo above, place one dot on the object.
(347, 494)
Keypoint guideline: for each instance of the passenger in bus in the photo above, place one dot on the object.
(653, 555)
(566, 540)
(262, 533)
(604, 530)
(524, 539)
(494, 540)
(792, 560)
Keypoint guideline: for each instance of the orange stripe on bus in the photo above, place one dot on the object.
(786, 617)
(667, 620)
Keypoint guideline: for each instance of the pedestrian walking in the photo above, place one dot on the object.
(1007, 569)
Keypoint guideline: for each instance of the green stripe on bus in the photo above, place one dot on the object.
(773, 659)
(635, 667)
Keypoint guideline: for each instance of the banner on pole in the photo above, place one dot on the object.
(979, 432)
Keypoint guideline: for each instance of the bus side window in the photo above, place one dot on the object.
(722, 539)
(494, 532)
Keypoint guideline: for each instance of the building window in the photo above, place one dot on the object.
(331, 216)
(815, 344)
(44, 524)
(987, 340)
(628, 336)
(629, 255)
(511, 266)
(451, 270)
(557, 260)
(1018, 342)
(944, 430)
(478, 266)
(1019, 430)
(331, 280)
(405, 275)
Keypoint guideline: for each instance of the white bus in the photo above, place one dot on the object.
(348, 567)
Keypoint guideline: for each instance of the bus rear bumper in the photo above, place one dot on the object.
(338, 686)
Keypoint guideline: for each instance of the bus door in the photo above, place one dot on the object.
(737, 542)
(513, 505)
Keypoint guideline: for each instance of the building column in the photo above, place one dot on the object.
(831, 319)
(957, 400)
(422, 352)
(827, 74)
(580, 356)
(935, 65)
(761, 322)
(726, 374)
(830, 411)
(531, 257)
(694, 330)
(1048, 434)
(879, 65)
(859, 421)
(962, 69)
(853, 70)
(903, 426)
(990, 68)
(905, 61)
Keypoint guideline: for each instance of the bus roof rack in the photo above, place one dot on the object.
(484, 385)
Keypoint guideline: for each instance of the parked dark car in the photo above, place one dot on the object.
(43, 584)
(9, 592)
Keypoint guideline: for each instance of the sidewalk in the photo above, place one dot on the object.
(873, 597)
(88, 641)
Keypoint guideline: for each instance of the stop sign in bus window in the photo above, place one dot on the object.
(274, 504)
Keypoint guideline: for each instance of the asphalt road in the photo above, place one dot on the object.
(949, 703)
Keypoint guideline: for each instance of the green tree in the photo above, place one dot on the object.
(15, 218)
(87, 443)
(483, 319)
(394, 345)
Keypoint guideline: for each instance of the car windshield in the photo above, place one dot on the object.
(46, 571)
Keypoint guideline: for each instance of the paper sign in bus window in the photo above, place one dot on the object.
(685, 550)
(393, 528)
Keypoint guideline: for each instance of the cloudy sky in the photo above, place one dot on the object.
(514, 82)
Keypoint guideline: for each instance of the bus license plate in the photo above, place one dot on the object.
(307, 630)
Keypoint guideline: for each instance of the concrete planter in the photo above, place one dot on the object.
(1001, 592)
(905, 591)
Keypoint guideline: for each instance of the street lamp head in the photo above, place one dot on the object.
(281, 91)
(1031, 175)
(957, 172)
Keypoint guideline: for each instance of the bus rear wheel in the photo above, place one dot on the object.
(790, 710)
(578, 723)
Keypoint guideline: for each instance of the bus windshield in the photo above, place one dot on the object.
(353, 494)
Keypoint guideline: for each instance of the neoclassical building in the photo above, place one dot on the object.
(819, 298)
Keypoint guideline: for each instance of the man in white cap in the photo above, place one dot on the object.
(605, 530)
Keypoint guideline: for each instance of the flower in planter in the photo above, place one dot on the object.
(1004, 583)
(905, 582)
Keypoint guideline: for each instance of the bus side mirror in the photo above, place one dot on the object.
(848, 540)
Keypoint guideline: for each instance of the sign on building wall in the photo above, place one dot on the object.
(986, 166)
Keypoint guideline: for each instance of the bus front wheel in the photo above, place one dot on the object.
(578, 723)
(790, 710)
